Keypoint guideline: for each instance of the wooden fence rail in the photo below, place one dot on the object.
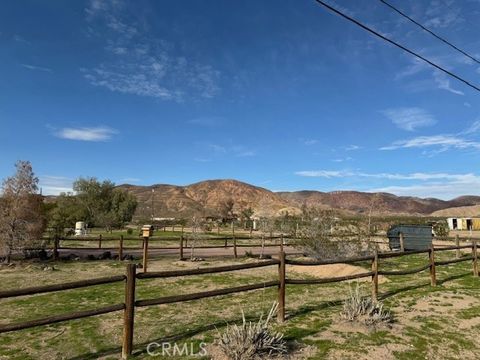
(132, 277)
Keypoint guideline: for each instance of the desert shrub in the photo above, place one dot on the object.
(129, 231)
(252, 341)
(362, 309)
(440, 229)
(321, 239)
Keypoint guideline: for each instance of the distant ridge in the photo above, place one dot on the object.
(207, 197)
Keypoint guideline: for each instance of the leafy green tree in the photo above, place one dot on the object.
(64, 214)
(102, 204)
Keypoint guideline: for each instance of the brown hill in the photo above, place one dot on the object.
(460, 211)
(184, 201)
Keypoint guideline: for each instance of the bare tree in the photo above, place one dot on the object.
(21, 212)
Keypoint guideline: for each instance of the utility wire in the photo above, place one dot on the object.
(398, 45)
(430, 31)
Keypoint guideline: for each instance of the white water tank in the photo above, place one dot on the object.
(80, 228)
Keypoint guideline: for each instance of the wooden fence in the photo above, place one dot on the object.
(131, 277)
(227, 242)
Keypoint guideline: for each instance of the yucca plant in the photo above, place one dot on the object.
(359, 308)
(252, 341)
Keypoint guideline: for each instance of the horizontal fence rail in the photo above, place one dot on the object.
(61, 287)
(205, 294)
(61, 318)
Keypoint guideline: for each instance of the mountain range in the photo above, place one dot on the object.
(207, 197)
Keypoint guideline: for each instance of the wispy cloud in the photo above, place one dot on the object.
(101, 133)
(129, 180)
(420, 176)
(444, 83)
(352, 147)
(444, 142)
(34, 67)
(142, 65)
(54, 185)
(310, 142)
(410, 118)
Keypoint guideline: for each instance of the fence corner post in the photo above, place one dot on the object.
(433, 275)
(375, 276)
(281, 288)
(129, 312)
(475, 258)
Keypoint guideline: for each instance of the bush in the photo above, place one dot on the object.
(363, 309)
(252, 341)
(129, 231)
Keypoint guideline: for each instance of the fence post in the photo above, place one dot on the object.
(281, 244)
(402, 242)
(100, 241)
(181, 247)
(145, 254)
(375, 276)
(281, 288)
(55, 248)
(433, 275)
(235, 247)
(475, 258)
(120, 249)
(129, 312)
(457, 244)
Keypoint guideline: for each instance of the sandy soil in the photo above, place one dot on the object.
(333, 270)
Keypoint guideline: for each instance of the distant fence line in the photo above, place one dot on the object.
(131, 277)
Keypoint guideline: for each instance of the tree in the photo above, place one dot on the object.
(64, 215)
(246, 215)
(226, 209)
(102, 204)
(22, 219)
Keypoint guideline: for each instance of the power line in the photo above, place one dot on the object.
(430, 31)
(398, 45)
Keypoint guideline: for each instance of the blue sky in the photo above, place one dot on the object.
(281, 94)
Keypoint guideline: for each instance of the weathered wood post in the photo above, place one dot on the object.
(281, 243)
(129, 312)
(402, 242)
(281, 288)
(181, 247)
(457, 244)
(235, 247)
(55, 247)
(375, 276)
(433, 275)
(475, 258)
(145, 253)
(120, 248)
(100, 241)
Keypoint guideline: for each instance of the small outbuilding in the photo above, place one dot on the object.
(463, 223)
(415, 237)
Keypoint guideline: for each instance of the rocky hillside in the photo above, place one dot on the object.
(184, 201)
